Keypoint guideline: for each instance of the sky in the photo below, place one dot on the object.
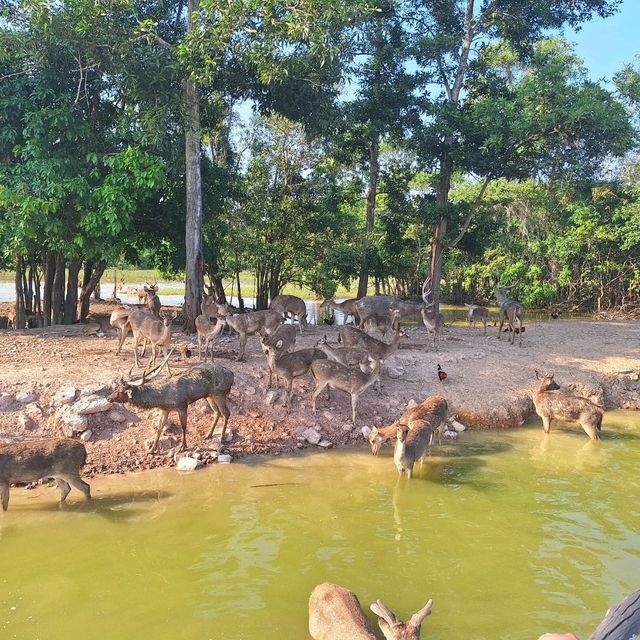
(607, 45)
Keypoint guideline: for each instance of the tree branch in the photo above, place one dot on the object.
(469, 216)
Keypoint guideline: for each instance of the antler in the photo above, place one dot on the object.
(426, 292)
(382, 611)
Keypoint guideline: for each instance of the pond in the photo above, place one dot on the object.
(510, 532)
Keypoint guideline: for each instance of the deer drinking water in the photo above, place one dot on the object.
(414, 440)
(550, 406)
(335, 614)
(511, 311)
(212, 382)
(31, 460)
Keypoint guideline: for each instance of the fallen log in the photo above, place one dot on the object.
(622, 622)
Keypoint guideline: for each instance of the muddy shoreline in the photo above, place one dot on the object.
(488, 386)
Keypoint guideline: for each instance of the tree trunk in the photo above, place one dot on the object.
(374, 170)
(57, 292)
(89, 283)
(193, 233)
(71, 300)
(49, 272)
(37, 308)
(240, 300)
(20, 312)
(216, 286)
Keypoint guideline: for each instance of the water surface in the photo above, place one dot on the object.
(511, 533)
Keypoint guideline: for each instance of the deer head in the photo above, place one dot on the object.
(547, 383)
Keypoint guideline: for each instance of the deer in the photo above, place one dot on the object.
(156, 330)
(248, 324)
(346, 307)
(414, 440)
(433, 409)
(550, 405)
(477, 313)
(212, 309)
(353, 380)
(152, 301)
(210, 381)
(119, 321)
(433, 320)
(31, 460)
(290, 307)
(290, 365)
(281, 341)
(354, 337)
(11, 318)
(335, 614)
(511, 311)
(206, 331)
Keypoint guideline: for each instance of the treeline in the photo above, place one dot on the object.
(319, 142)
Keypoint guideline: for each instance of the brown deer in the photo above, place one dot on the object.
(248, 324)
(346, 307)
(354, 381)
(148, 328)
(119, 320)
(11, 318)
(477, 313)
(291, 307)
(335, 614)
(31, 460)
(212, 382)
(212, 309)
(433, 320)
(152, 301)
(413, 441)
(280, 342)
(511, 311)
(429, 409)
(206, 331)
(550, 405)
(290, 365)
(354, 337)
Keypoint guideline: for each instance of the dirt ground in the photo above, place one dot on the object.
(488, 385)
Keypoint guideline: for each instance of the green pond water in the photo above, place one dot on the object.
(511, 533)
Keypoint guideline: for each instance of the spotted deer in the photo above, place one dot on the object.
(550, 406)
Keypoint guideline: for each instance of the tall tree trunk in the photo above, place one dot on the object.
(57, 292)
(193, 233)
(240, 300)
(20, 311)
(49, 272)
(37, 308)
(374, 170)
(92, 275)
(71, 300)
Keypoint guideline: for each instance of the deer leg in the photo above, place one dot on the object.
(135, 350)
(122, 334)
(64, 489)
(78, 483)
(501, 325)
(354, 402)
(287, 393)
(153, 354)
(164, 415)
(546, 423)
(243, 342)
(200, 348)
(316, 393)
(220, 402)
(484, 321)
(4, 494)
(182, 414)
(144, 347)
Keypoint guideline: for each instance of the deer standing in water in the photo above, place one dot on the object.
(31, 460)
(512, 312)
(550, 405)
(335, 614)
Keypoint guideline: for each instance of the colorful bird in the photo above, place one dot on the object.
(442, 375)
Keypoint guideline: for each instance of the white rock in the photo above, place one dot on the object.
(94, 389)
(186, 463)
(457, 426)
(325, 444)
(366, 431)
(91, 404)
(85, 436)
(250, 391)
(116, 416)
(70, 422)
(394, 372)
(347, 426)
(312, 436)
(272, 396)
(65, 396)
(26, 397)
(33, 411)
(6, 400)
(412, 403)
(224, 458)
